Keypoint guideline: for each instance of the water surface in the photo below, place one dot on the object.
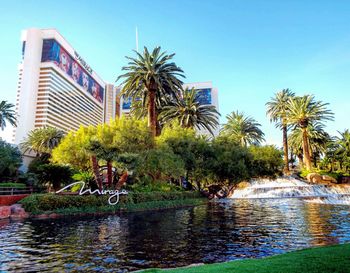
(220, 231)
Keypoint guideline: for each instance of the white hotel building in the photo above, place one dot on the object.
(58, 88)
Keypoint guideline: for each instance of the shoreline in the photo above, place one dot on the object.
(321, 259)
(111, 209)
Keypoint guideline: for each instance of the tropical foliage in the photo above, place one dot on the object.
(277, 110)
(243, 129)
(190, 112)
(151, 76)
(343, 150)
(7, 114)
(10, 160)
(303, 112)
(42, 140)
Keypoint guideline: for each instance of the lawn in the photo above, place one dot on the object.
(334, 259)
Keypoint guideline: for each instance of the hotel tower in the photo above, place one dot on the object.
(56, 86)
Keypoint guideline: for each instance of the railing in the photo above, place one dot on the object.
(15, 191)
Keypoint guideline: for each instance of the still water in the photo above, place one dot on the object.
(220, 231)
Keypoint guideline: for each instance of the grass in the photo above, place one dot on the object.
(334, 259)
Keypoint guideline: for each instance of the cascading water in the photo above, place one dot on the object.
(288, 187)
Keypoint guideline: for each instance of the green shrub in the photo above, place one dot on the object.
(52, 202)
(12, 185)
(10, 161)
(145, 184)
(303, 173)
(266, 161)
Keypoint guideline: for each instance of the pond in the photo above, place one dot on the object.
(220, 231)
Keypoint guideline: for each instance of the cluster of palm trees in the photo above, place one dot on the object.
(305, 117)
(153, 84)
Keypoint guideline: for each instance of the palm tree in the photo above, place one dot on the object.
(304, 111)
(343, 151)
(243, 129)
(139, 109)
(42, 140)
(277, 109)
(318, 140)
(190, 113)
(150, 76)
(7, 114)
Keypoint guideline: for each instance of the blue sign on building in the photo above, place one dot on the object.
(204, 95)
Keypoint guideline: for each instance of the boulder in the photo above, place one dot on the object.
(5, 212)
(17, 212)
(314, 178)
(328, 178)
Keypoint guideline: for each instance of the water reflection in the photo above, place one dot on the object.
(221, 231)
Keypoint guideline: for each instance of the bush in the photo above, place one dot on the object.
(146, 184)
(266, 161)
(160, 164)
(30, 179)
(36, 203)
(12, 185)
(231, 162)
(10, 161)
(337, 175)
(54, 175)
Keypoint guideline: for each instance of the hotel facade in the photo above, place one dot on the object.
(58, 88)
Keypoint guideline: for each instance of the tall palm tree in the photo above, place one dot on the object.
(304, 111)
(151, 76)
(277, 109)
(7, 114)
(318, 140)
(42, 140)
(190, 113)
(243, 129)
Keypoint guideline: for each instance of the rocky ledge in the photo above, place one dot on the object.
(13, 212)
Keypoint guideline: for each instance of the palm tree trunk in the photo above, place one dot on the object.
(122, 180)
(158, 126)
(152, 117)
(109, 173)
(306, 150)
(285, 149)
(300, 159)
(96, 172)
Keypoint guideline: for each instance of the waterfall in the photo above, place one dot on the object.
(289, 187)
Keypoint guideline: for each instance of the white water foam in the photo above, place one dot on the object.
(289, 187)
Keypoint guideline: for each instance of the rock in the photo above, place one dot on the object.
(5, 212)
(345, 180)
(41, 216)
(328, 178)
(17, 212)
(16, 208)
(314, 178)
(243, 185)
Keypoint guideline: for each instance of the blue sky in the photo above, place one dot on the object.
(248, 49)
